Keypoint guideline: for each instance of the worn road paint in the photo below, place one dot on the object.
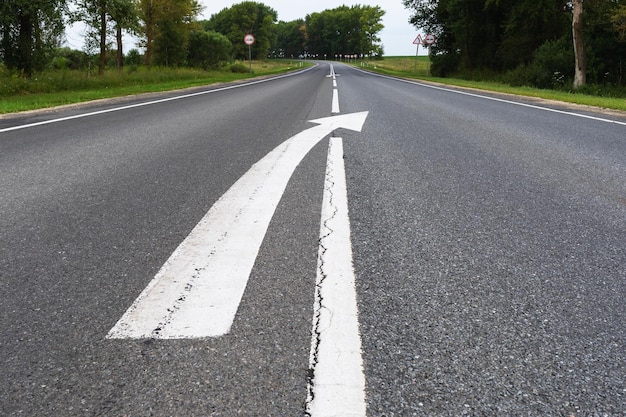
(337, 382)
(198, 290)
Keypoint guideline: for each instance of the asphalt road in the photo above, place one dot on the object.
(488, 238)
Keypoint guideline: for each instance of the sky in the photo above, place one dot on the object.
(397, 36)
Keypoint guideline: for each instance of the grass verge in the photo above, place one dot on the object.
(59, 87)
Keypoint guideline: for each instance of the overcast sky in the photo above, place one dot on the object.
(397, 36)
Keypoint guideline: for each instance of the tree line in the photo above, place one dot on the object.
(170, 34)
(543, 43)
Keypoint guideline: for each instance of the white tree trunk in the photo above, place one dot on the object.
(580, 77)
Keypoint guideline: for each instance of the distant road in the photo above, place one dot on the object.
(174, 256)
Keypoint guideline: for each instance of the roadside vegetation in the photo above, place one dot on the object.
(557, 50)
(56, 87)
(175, 48)
(591, 95)
(563, 45)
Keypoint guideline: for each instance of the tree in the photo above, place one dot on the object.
(94, 14)
(208, 49)
(498, 35)
(148, 22)
(371, 25)
(290, 38)
(579, 47)
(29, 31)
(527, 38)
(526, 26)
(605, 50)
(166, 25)
(106, 18)
(124, 15)
(243, 18)
(345, 30)
(618, 19)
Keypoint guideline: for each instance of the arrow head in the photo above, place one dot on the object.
(352, 121)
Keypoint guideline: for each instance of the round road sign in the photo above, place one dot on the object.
(429, 39)
(248, 39)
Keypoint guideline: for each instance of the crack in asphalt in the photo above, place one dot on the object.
(325, 232)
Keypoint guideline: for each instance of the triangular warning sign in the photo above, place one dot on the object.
(419, 40)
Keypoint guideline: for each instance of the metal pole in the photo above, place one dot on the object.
(417, 52)
(250, 57)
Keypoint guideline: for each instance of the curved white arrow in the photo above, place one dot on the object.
(198, 290)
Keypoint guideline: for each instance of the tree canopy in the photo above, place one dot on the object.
(345, 30)
(529, 38)
(246, 18)
(171, 35)
(291, 39)
(166, 26)
(29, 30)
(532, 42)
(106, 19)
(208, 49)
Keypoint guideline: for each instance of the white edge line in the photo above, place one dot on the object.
(532, 106)
(149, 103)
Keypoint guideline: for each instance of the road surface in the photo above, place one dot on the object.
(394, 249)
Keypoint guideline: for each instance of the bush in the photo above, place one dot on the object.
(208, 49)
(59, 63)
(602, 90)
(444, 64)
(239, 68)
(552, 67)
(133, 57)
(66, 58)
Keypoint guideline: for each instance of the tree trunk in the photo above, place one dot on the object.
(120, 52)
(103, 39)
(580, 76)
(7, 47)
(24, 52)
(149, 33)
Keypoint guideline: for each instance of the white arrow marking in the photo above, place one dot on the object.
(198, 290)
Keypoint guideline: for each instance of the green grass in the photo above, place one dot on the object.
(58, 87)
(406, 67)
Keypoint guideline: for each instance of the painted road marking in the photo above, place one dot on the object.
(198, 290)
(335, 109)
(332, 74)
(335, 102)
(149, 103)
(337, 384)
(516, 103)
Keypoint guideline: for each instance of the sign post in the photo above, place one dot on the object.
(418, 41)
(429, 40)
(249, 40)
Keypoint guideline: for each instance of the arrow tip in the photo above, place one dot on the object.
(352, 121)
